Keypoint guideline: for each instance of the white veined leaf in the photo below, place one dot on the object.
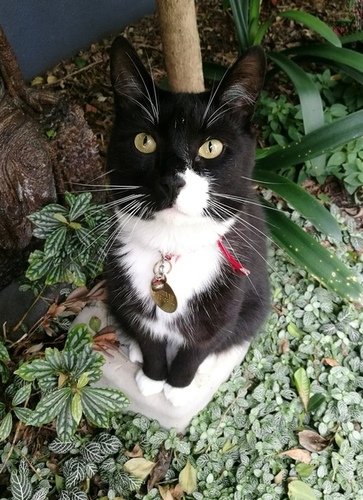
(188, 478)
(93, 411)
(79, 205)
(111, 400)
(4, 355)
(41, 494)
(139, 467)
(297, 490)
(78, 337)
(61, 447)
(22, 395)
(22, 413)
(91, 470)
(75, 472)
(108, 444)
(5, 426)
(38, 268)
(79, 495)
(91, 452)
(20, 486)
(183, 447)
(66, 424)
(55, 242)
(49, 407)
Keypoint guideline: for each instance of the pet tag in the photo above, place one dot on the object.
(161, 293)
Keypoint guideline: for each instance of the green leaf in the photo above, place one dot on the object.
(304, 470)
(111, 400)
(78, 337)
(55, 242)
(6, 426)
(297, 490)
(325, 52)
(49, 407)
(308, 206)
(22, 413)
(303, 386)
(313, 257)
(22, 395)
(240, 11)
(76, 407)
(294, 331)
(38, 268)
(324, 139)
(79, 205)
(313, 23)
(4, 355)
(95, 323)
(98, 403)
(310, 100)
(315, 402)
(66, 424)
(35, 369)
(188, 478)
(83, 380)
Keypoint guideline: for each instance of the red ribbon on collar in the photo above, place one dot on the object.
(237, 266)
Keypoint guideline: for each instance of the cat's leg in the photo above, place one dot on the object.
(180, 387)
(151, 377)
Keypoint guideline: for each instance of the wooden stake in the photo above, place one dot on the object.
(181, 45)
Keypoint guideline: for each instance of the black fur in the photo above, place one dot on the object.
(233, 309)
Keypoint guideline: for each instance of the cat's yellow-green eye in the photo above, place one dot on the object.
(145, 143)
(211, 149)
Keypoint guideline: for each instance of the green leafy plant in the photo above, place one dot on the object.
(74, 236)
(63, 378)
(317, 140)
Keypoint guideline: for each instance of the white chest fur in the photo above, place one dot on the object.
(183, 232)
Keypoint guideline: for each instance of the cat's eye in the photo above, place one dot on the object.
(211, 149)
(145, 143)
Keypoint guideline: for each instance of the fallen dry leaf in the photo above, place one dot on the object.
(298, 454)
(284, 346)
(279, 477)
(34, 348)
(162, 465)
(165, 492)
(136, 452)
(330, 361)
(139, 467)
(312, 441)
(188, 478)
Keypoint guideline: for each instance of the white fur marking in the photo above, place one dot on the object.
(148, 386)
(180, 396)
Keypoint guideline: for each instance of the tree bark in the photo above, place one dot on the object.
(181, 45)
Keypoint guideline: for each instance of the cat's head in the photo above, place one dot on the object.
(180, 154)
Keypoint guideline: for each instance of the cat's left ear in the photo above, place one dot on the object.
(129, 77)
(243, 82)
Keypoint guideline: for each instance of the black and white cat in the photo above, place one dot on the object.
(186, 268)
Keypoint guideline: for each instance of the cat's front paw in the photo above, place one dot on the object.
(180, 396)
(147, 386)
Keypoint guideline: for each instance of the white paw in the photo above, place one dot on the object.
(147, 386)
(135, 354)
(180, 396)
(207, 364)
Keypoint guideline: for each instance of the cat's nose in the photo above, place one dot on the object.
(171, 185)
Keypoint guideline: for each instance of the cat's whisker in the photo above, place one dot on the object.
(244, 200)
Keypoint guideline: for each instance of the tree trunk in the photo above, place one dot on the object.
(181, 45)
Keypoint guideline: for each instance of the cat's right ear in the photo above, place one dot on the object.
(129, 77)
